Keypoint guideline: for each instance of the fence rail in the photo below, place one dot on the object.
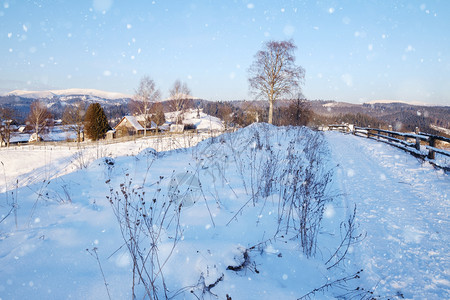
(68, 145)
(420, 144)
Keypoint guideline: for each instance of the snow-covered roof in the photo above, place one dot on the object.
(199, 119)
(133, 121)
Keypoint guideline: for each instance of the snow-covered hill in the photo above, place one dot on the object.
(68, 94)
(214, 211)
(399, 102)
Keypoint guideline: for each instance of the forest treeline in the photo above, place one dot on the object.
(402, 117)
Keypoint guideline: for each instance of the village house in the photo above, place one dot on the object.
(132, 125)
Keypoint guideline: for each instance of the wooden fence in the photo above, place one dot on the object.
(410, 142)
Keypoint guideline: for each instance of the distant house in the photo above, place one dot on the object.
(34, 138)
(194, 119)
(177, 128)
(131, 125)
(128, 125)
(110, 134)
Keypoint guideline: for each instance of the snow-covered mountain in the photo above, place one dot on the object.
(58, 100)
(69, 94)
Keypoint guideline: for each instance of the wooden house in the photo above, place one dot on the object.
(132, 125)
(129, 125)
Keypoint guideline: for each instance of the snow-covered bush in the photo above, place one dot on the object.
(145, 223)
(282, 173)
(288, 165)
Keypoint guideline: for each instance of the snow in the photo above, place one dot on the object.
(55, 133)
(133, 121)
(68, 92)
(64, 218)
(201, 121)
(404, 207)
(417, 103)
(24, 165)
(441, 129)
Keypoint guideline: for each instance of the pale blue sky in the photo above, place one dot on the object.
(354, 50)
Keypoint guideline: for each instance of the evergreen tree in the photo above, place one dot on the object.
(95, 122)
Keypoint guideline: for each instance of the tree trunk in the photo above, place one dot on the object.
(145, 123)
(270, 110)
(37, 132)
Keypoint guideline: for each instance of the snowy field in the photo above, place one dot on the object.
(22, 165)
(222, 219)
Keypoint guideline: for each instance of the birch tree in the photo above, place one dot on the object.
(144, 97)
(179, 95)
(274, 74)
(39, 117)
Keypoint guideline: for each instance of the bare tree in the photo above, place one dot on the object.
(226, 114)
(6, 118)
(145, 96)
(274, 73)
(158, 116)
(300, 112)
(179, 95)
(297, 113)
(74, 116)
(39, 117)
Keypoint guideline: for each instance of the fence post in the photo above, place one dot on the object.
(431, 154)
(417, 139)
(417, 143)
(351, 128)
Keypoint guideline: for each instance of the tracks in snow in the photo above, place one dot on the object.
(403, 205)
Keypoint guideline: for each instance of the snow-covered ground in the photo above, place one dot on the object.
(22, 165)
(201, 121)
(403, 205)
(441, 129)
(64, 240)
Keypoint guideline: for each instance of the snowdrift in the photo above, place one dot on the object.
(217, 219)
(261, 213)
